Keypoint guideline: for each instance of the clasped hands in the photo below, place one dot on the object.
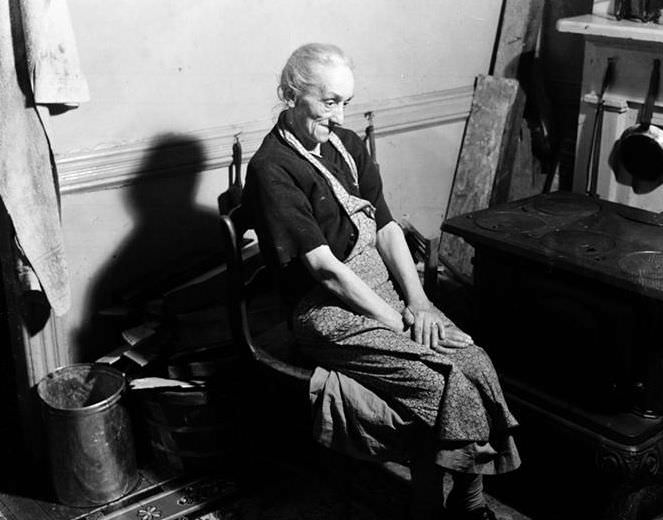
(432, 329)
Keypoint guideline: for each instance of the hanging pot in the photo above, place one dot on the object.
(640, 148)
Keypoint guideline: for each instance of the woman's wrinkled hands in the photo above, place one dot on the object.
(431, 328)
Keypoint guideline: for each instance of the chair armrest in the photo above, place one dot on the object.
(272, 349)
(291, 371)
(423, 250)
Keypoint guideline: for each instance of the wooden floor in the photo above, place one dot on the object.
(189, 497)
(296, 490)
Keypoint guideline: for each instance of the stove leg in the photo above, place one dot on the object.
(636, 483)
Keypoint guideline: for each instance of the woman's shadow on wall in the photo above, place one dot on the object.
(173, 240)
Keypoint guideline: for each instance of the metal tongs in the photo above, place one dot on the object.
(370, 137)
(232, 197)
(595, 143)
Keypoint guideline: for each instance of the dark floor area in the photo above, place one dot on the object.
(308, 483)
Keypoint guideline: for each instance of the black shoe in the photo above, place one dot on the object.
(483, 513)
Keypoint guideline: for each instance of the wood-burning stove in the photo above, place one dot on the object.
(570, 292)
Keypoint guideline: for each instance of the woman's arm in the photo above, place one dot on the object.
(341, 281)
(429, 326)
(396, 255)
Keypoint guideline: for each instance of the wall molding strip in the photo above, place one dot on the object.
(123, 164)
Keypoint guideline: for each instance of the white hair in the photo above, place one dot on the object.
(300, 72)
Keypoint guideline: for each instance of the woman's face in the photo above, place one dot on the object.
(316, 112)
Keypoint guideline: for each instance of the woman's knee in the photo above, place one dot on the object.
(476, 363)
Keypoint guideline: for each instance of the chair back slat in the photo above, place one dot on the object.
(242, 286)
(233, 228)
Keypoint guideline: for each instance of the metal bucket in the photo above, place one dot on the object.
(90, 442)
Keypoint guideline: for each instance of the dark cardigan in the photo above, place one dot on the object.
(295, 210)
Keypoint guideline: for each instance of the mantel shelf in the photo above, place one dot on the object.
(594, 25)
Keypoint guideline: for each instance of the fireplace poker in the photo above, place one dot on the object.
(595, 142)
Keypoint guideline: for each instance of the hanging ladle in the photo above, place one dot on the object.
(640, 148)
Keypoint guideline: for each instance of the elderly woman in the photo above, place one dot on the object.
(358, 306)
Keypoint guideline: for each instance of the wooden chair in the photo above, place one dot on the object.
(242, 287)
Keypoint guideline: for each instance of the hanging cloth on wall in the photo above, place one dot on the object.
(51, 53)
(27, 170)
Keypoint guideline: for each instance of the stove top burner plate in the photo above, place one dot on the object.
(642, 216)
(645, 265)
(584, 243)
(509, 222)
(567, 205)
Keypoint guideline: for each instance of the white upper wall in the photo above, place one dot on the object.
(159, 66)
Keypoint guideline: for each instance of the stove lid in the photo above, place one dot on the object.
(562, 204)
(579, 242)
(646, 266)
(509, 221)
(642, 216)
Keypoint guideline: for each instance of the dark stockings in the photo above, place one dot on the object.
(428, 486)
(466, 493)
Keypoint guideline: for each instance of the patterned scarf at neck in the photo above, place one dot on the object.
(350, 203)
